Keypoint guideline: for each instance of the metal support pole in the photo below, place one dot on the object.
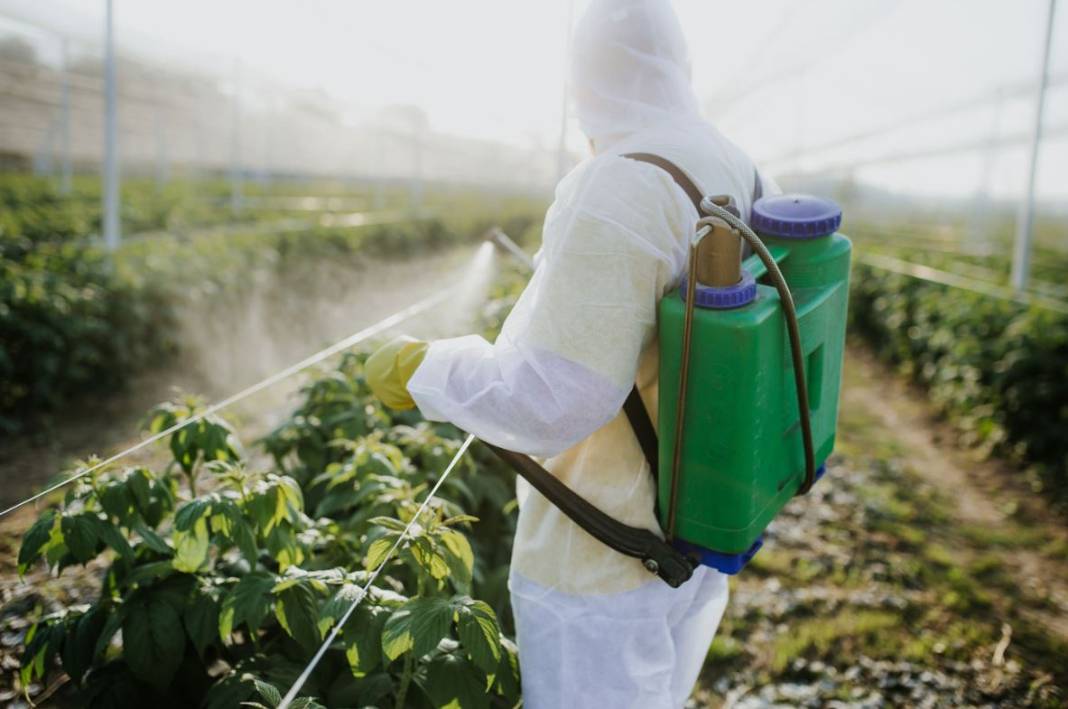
(1021, 259)
(66, 165)
(112, 228)
(379, 198)
(236, 199)
(416, 186)
(561, 146)
(979, 228)
(162, 164)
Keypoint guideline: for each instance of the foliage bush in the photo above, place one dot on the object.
(70, 327)
(227, 568)
(76, 322)
(999, 369)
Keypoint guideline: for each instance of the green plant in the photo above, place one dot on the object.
(225, 575)
(999, 369)
(78, 322)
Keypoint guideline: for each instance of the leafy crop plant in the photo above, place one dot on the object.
(228, 569)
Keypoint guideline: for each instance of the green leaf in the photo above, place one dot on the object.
(190, 513)
(118, 502)
(160, 419)
(35, 540)
(230, 692)
(425, 554)
(506, 678)
(201, 620)
(363, 638)
(248, 602)
(269, 692)
(417, 626)
(458, 546)
(152, 540)
(298, 614)
(337, 606)
(479, 632)
(460, 519)
(114, 623)
(113, 538)
(306, 703)
(139, 482)
(80, 644)
(191, 547)
(378, 552)
(41, 644)
(389, 523)
(291, 492)
(80, 536)
(282, 545)
(151, 572)
(243, 536)
(153, 641)
(460, 559)
(452, 683)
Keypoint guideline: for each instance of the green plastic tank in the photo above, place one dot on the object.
(742, 456)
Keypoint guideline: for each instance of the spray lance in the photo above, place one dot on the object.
(750, 370)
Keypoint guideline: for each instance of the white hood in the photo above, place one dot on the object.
(630, 69)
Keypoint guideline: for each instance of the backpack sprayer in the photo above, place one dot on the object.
(749, 406)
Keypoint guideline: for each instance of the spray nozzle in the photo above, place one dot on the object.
(496, 236)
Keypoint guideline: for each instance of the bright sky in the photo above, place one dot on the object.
(777, 76)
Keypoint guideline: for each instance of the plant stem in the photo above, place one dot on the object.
(406, 679)
(409, 659)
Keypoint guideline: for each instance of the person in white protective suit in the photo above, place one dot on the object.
(595, 628)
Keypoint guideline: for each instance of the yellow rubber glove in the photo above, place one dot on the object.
(389, 369)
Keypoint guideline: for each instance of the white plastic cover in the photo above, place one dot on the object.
(614, 242)
(642, 649)
(630, 69)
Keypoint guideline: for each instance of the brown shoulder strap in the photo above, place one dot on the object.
(681, 178)
(644, 430)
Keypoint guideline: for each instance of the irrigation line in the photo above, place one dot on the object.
(953, 280)
(299, 682)
(340, 346)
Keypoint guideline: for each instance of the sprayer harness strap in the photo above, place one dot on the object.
(656, 554)
(685, 183)
(644, 430)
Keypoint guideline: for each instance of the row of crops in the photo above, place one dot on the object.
(76, 321)
(223, 569)
(997, 367)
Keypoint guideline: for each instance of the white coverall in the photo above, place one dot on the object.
(595, 628)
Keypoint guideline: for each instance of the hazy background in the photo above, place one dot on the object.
(917, 97)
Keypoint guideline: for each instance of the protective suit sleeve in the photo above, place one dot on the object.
(568, 353)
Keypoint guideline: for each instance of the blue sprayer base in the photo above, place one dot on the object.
(729, 564)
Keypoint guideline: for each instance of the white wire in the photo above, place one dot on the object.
(292, 693)
(350, 341)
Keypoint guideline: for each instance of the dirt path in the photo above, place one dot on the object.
(987, 494)
(913, 575)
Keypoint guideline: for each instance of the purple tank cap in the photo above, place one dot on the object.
(741, 293)
(795, 216)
